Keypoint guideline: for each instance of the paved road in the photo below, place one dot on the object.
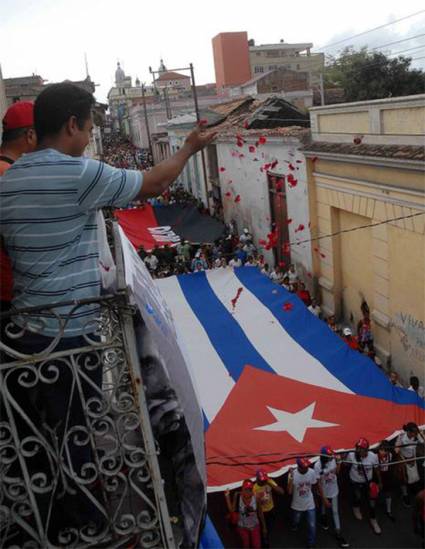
(398, 535)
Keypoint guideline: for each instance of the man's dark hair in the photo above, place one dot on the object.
(56, 104)
(12, 135)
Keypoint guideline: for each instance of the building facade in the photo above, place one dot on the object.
(23, 88)
(366, 169)
(296, 57)
(231, 59)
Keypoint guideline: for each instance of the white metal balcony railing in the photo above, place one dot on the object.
(78, 460)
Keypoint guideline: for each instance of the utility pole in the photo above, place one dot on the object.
(198, 118)
(147, 121)
(322, 90)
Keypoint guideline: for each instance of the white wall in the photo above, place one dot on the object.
(253, 210)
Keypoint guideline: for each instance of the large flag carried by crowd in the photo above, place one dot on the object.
(274, 382)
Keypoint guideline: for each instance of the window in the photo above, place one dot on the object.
(258, 69)
(298, 66)
(272, 53)
(272, 67)
(258, 53)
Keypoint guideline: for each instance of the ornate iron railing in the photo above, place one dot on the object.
(78, 461)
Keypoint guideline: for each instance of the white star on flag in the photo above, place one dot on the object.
(295, 424)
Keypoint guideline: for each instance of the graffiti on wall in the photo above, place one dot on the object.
(412, 335)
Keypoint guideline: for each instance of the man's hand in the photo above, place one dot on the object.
(198, 139)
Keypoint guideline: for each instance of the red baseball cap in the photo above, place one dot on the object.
(19, 115)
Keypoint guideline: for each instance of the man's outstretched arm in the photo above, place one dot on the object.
(160, 177)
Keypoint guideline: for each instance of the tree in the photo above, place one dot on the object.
(372, 75)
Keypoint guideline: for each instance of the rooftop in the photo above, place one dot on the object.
(171, 75)
(399, 152)
(282, 46)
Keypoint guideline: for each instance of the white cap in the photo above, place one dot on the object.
(347, 332)
(245, 230)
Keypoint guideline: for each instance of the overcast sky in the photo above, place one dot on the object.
(50, 37)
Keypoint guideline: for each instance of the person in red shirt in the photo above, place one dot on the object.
(304, 294)
(350, 340)
(18, 138)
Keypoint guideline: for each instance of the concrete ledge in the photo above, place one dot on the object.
(382, 319)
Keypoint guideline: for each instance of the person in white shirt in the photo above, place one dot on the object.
(276, 275)
(405, 447)
(235, 262)
(265, 270)
(285, 283)
(327, 468)
(245, 236)
(152, 262)
(364, 465)
(250, 262)
(301, 482)
(315, 309)
(249, 248)
(414, 386)
(292, 274)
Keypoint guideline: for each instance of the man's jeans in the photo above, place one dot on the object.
(311, 523)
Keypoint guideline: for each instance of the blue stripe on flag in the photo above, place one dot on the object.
(355, 371)
(225, 334)
(210, 538)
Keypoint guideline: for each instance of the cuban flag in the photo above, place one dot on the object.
(272, 379)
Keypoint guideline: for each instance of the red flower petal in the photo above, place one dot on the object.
(291, 166)
(228, 194)
(239, 143)
(291, 180)
(203, 122)
(274, 164)
(237, 198)
(262, 242)
(252, 149)
(267, 166)
(241, 155)
(262, 140)
(287, 306)
(300, 227)
(222, 169)
(289, 220)
(299, 161)
(322, 255)
(282, 264)
(246, 124)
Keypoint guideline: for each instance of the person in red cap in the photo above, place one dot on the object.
(301, 483)
(246, 509)
(18, 138)
(263, 489)
(364, 465)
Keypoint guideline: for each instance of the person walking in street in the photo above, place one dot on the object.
(263, 489)
(364, 465)
(327, 469)
(249, 518)
(301, 483)
(405, 448)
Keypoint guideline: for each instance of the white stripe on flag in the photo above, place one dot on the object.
(210, 375)
(285, 355)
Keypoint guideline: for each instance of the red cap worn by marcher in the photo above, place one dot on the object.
(362, 443)
(19, 115)
(303, 463)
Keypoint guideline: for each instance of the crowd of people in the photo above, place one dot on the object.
(373, 478)
(121, 153)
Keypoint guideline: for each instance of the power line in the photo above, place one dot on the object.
(398, 41)
(337, 233)
(370, 30)
(408, 49)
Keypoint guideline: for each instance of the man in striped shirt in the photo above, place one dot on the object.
(48, 204)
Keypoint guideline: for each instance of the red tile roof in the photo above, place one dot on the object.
(170, 75)
(401, 152)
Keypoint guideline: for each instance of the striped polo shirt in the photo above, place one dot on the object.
(48, 204)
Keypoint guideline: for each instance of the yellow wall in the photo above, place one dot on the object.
(403, 121)
(407, 290)
(357, 122)
(385, 264)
